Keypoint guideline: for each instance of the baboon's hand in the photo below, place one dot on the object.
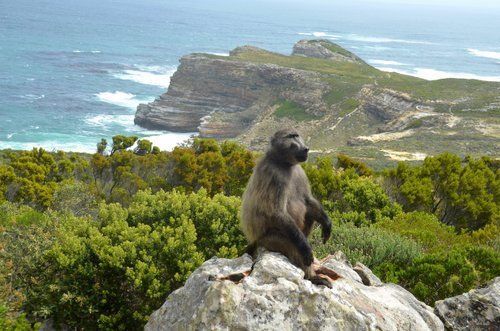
(326, 230)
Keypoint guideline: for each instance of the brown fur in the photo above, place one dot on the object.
(278, 210)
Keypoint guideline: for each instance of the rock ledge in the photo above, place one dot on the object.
(276, 296)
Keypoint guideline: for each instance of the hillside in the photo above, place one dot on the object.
(338, 101)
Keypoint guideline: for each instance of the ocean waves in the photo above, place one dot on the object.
(485, 54)
(122, 99)
(86, 144)
(386, 63)
(355, 37)
(148, 75)
(320, 35)
(432, 74)
(365, 39)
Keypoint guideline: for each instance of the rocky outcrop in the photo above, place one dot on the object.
(324, 49)
(232, 91)
(275, 296)
(478, 309)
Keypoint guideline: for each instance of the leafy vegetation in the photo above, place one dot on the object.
(98, 241)
(293, 111)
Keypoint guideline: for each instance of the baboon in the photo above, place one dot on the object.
(278, 210)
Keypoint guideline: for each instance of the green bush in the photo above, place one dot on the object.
(13, 323)
(348, 196)
(368, 245)
(113, 271)
(463, 193)
(425, 229)
(441, 275)
(215, 218)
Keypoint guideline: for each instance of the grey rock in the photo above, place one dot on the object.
(338, 263)
(275, 296)
(478, 309)
(367, 276)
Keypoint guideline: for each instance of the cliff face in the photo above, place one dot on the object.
(204, 86)
(337, 101)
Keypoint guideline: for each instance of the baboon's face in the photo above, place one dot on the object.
(290, 146)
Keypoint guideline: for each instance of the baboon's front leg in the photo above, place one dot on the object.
(315, 212)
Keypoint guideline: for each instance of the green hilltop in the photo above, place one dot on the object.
(381, 116)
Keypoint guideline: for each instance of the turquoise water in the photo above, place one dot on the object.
(72, 72)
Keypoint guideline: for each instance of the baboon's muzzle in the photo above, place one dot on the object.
(302, 154)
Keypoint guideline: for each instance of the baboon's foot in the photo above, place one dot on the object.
(236, 278)
(322, 270)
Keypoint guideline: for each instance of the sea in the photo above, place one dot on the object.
(73, 71)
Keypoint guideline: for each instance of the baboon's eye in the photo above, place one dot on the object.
(292, 135)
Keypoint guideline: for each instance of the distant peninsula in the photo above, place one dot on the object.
(338, 101)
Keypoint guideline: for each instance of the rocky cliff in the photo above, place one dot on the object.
(205, 86)
(275, 296)
(338, 102)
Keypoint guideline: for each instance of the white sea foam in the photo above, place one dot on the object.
(122, 99)
(167, 141)
(486, 54)
(432, 74)
(33, 96)
(104, 120)
(84, 144)
(51, 145)
(386, 63)
(92, 51)
(148, 75)
(368, 39)
(319, 34)
(125, 121)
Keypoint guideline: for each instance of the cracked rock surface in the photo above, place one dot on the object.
(275, 296)
(478, 309)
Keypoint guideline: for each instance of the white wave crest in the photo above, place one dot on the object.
(33, 96)
(368, 39)
(148, 75)
(386, 63)
(167, 141)
(87, 144)
(80, 144)
(319, 34)
(432, 74)
(486, 54)
(92, 51)
(122, 99)
(104, 120)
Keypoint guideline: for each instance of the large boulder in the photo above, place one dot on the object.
(275, 296)
(478, 309)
